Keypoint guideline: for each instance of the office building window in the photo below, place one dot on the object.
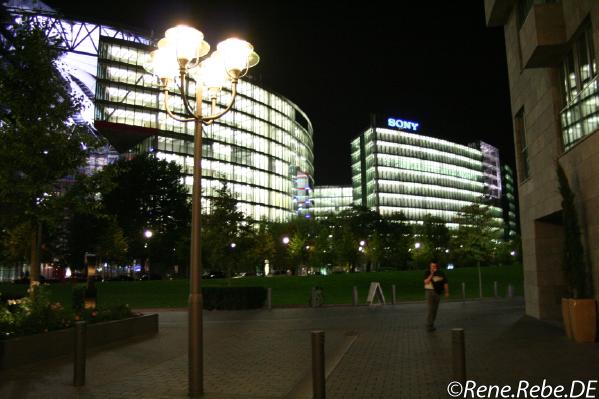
(521, 146)
(580, 115)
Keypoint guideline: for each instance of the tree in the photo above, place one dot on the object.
(39, 143)
(433, 237)
(400, 242)
(147, 194)
(224, 226)
(261, 247)
(578, 274)
(476, 237)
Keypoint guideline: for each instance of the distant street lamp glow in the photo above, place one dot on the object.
(513, 253)
(148, 233)
(285, 240)
(362, 243)
(233, 245)
(417, 245)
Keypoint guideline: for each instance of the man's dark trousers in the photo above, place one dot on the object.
(432, 300)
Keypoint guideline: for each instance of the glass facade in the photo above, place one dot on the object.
(580, 115)
(491, 170)
(395, 171)
(256, 148)
(330, 200)
(259, 148)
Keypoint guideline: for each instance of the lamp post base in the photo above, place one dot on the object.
(196, 346)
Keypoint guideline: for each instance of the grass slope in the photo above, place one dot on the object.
(292, 290)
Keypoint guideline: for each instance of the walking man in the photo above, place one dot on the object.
(435, 283)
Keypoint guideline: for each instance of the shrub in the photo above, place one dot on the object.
(233, 298)
(36, 313)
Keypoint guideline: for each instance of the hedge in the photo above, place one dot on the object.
(233, 298)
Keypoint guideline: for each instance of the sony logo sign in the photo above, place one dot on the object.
(401, 124)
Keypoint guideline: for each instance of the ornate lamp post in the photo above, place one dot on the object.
(181, 62)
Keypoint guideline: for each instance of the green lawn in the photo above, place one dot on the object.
(292, 290)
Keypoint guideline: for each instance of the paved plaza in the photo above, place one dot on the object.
(372, 352)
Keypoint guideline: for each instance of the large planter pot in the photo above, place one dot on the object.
(583, 319)
(32, 348)
(566, 316)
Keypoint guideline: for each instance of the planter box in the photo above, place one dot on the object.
(32, 348)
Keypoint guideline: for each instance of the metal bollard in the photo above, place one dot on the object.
(269, 298)
(458, 351)
(393, 295)
(495, 289)
(79, 356)
(355, 296)
(463, 291)
(510, 291)
(318, 378)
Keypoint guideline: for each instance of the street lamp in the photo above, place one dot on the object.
(417, 245)
(181, 62)
(148, 233)
(285, 240)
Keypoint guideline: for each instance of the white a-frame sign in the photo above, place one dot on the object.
(375, 292)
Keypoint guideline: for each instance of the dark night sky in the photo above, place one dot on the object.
(432, 62)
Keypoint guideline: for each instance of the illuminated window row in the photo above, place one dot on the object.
(249, 140)
(224, 152)
(418, 215)
(427, 190)
(417, 140)
(244, 193)
(427, 153)
(394, 174)
(295, 136)
(229, 172)
(422, 165)
(413, 201)
(160, 120)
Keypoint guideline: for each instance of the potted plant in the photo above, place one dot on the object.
(579, 309)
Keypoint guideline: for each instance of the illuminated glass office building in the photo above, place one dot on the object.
(396, 170)
(330, 200)
(259, 148)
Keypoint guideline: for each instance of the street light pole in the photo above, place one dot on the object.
(196, 338)
(181, 56)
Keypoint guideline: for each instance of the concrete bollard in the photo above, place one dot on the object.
(269, 298)
(510, 291)
(495, 289)
(318, 378)
(393, 298)
(355, 296)
(79, 356)
(458, 351)
(463, 291)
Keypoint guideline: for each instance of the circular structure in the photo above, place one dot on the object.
(258, 149)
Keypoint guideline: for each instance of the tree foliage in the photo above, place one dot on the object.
(226, 233)
(40, 144)
(477, 235)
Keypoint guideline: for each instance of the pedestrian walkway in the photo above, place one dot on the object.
(377, 352)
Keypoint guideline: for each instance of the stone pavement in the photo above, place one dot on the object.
(376, 352)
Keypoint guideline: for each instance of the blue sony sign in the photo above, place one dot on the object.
(401, 124)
